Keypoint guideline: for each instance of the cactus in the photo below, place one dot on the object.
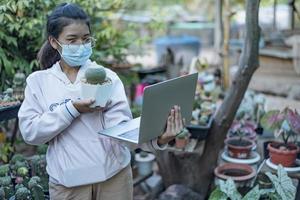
(19, 185)
(19, 79)
(4, 170)
(2, 193)
(22, 171)
(184, 134)
(38, 166)
(95, 75)
(36, 189)
(23, 194)
(5, 182)
(143, 154)
(19, 180)
(17, 157)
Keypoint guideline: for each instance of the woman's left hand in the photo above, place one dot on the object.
(175, 125)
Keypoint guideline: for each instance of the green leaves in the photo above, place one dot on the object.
(272, 120)
(283, 184)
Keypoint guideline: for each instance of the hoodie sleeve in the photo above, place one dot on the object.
(119, 111)
(38, 126)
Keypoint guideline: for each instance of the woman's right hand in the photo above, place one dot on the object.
(83, 105)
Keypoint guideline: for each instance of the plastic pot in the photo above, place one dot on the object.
(286, 157)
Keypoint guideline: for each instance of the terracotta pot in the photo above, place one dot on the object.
(285, 157)
(239, 148)
(237, 172)
(181, 142)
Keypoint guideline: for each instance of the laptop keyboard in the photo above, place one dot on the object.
(131, 135)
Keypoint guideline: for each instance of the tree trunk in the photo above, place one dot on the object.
(226, 44)
(196, 170)
(218, 37)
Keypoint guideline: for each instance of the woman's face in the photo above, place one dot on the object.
(74, 33)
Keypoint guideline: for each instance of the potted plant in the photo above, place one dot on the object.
(239, 146)
(279, 187)
(244, 128)
(96, 85)
(240, 173)
(182, 139)
(284, 124)
(144, 162)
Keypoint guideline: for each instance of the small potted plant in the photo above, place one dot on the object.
(238, 145)
(144, 162)
(240, 173)
(96, 85)
(244, 128)
(182, 139)
(284, 124)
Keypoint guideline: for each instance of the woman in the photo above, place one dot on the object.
(81, 163)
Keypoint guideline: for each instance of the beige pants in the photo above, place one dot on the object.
(119, 187)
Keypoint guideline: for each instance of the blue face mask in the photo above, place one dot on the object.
(76, 54)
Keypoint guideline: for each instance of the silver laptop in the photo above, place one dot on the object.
(157, 102)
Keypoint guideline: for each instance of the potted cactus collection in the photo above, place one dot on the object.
(286, 125)
(25, 178)
(202, 117)
(97, 85)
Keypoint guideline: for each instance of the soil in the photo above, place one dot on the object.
(235, 172)
(242, 143)
(283, 146)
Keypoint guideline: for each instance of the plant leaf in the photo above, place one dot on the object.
(230, 190)
(272, 120)
(293, 119)
(253, 194)
(283, 184)
(217, 194)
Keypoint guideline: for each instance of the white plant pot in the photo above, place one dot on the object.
(144, 164)
(101, 93)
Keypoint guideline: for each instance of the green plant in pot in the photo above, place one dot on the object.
(239, 146)
(96, 84)
(284, 124)
(182, 139)
(144, 161)
(243, 128)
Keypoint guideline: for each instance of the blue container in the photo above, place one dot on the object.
(185, 47)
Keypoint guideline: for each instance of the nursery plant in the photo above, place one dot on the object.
(240, 139)
(282, 189)
(96, 85)
(182, 139)
(285, 124)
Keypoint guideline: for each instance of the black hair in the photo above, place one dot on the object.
(63, 15)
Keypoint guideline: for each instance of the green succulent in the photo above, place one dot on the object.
(95, 75)
(19, 186)
(22, 171)
(19, 79)
(4, 170)
(17, 157)
(23, 194)
(143, 154)
(2, 193)
(184, 134)
(5, 181)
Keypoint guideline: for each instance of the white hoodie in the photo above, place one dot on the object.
(77, 155)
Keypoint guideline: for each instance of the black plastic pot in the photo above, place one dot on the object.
(200, 132)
